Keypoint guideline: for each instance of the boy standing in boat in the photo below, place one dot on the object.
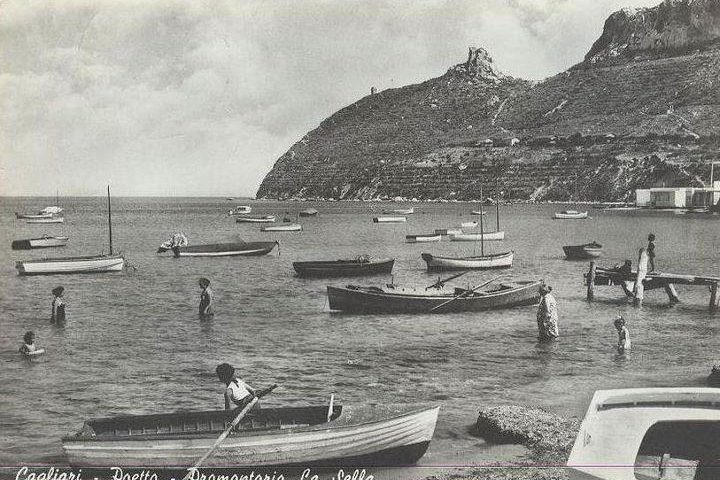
(58, 306)
(206, 299)
(547, 315)
(237, 393)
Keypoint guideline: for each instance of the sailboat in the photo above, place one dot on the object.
(47, 215)
(477, 262)
(89, 264)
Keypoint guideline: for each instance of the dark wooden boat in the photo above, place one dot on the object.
(308, 212)
(323, 435)
(582, 252)
(45, 241)
(223, 249)
(344, 268)
(396, 299)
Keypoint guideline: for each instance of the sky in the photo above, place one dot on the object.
(201, 97)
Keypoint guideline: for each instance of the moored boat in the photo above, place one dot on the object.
(478, 237)
(648, 433)
(362, 265)
(400, 211)
(287, 227)
(394, 219)
(223, 249)
(45, 241)
(89, 264)
(33, 216)
(570, 214)
(448, 231)
(308, 212)
(582, 252)
(50, 219)
(422, 238)
(478, 212)
(240, 210)
(469, 224)
(395, 299)
(483, 262)
(257, 219)
(335, 436)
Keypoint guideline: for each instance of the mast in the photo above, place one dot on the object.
(497, 204)
(57, 202)
(482, 231)
(109, 220)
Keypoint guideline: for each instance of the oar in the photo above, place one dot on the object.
(227, 431)
(465, 293)
(440, 282)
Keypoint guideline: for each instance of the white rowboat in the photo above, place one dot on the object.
(400, 211)
(93, 264)
(50, 219)
(469, 224)
(263, 219)
(498, 260)
(287, 227)
(448, 231)
(240, 210)
(45, 241)
(423, 238)
(478, 237)
(389, 219)
(570, 214)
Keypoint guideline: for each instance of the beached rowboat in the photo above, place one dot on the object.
(582, 252)
(51, 219)
(287, 227)
(389, 219)
(91, 264)
(478, 237)
(570, 214)
(432, 237)
(262, 219)
(224, 249)
(482, 262)
(45, 241)
(344, 435)
(395, 299)
(344, 268)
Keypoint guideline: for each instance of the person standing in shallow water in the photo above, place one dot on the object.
(651, 251)
(28, 345)
(58, 306)
(206, 299)
(624, 344)
(547, 315)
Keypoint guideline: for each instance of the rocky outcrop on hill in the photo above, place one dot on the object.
(643, 109)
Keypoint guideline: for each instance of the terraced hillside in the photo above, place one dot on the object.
(643, 109)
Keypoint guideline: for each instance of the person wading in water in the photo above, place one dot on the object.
(58, 306)
(206, 299)
(547, 315)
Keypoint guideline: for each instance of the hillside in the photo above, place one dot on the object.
(642, 109)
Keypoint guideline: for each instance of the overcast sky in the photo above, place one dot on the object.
(196, 97)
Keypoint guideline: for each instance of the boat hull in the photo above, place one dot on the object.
(375, 300)
(33, 216)
(45, 220)
(485, 262)
(282, 228)
(42, 242)
(248, 249)
(343, 268)
(268, 219)
(399, 440)
(49, 266)
(570, 216)
(477, 237)
(582, 252)
(423, 238)
(389, 220)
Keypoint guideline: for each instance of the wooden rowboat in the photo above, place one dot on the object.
(389, 219)
(33, 216)
(400, 211)
(91, 264)
(308, 212)
(448, 231)
(338, 436)
(478, 237)
(344, 268)
(570, 214)
(395, 299)
(45, 241)
(482, 262)
(432, 237)
(287, 227)
(262, 219)
(224, 249)
(240, 210)
(582, 252)
(51, 219)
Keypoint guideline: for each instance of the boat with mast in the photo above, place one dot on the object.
(476, 262)
(89, 264)
(45, 213)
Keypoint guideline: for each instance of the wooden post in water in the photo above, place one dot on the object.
(591, 282)
(639, 289)
(672, 293)
(714, 297)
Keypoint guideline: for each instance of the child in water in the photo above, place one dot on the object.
(58, 306)
(28, 343)
(206, 299)
(623, 345)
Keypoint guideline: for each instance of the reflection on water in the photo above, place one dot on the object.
(133, 342)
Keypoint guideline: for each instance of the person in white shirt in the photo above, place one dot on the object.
(237, 393)
(624, 343)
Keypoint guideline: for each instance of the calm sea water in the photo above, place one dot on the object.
(133, 342)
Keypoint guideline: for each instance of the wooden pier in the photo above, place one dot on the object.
(635, 283)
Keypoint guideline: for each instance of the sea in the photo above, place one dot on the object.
(133, 342)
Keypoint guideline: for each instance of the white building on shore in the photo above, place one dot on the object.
(678, 197)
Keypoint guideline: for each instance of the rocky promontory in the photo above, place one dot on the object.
(642, 110)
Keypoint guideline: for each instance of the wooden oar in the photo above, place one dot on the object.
(227, 431)
(440, 282)
(465, 293)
